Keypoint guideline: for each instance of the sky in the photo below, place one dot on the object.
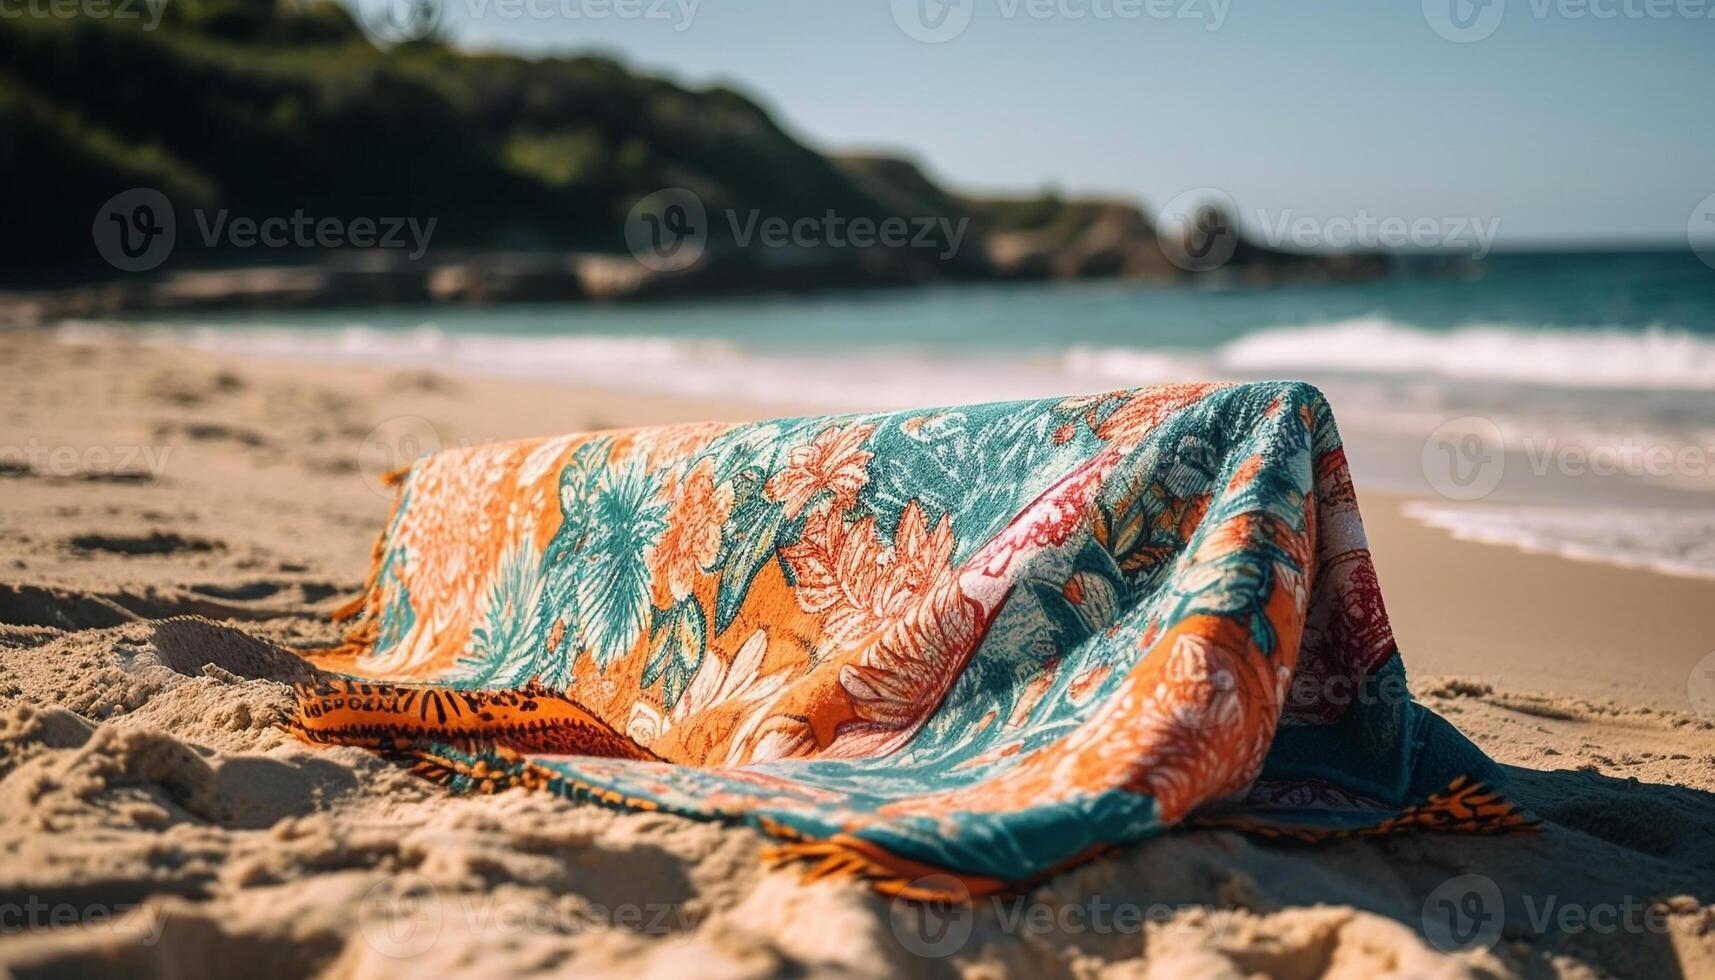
(1548, 121)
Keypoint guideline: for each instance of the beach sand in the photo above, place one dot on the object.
(166, 510)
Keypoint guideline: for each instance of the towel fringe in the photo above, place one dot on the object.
(1466, 806)
(848, 856)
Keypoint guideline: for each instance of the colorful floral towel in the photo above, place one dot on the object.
(988, 641)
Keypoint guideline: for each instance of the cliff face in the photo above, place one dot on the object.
(1050, 237)
(1078, 239)
(245, 109)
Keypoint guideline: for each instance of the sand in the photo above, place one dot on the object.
(175, 521)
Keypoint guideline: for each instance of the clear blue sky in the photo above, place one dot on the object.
(1565, 129)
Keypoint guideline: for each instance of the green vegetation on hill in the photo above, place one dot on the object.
(276, 108)
(236, 104)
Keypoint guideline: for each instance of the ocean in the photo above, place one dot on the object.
(1554, 401)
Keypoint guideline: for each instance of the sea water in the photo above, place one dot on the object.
(1558, 402)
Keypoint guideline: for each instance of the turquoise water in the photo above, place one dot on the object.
(1629, 291)
(1544, 362)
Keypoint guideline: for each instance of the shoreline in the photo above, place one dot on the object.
(376, 278)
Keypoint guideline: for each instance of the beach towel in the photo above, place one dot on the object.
(972, 645)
